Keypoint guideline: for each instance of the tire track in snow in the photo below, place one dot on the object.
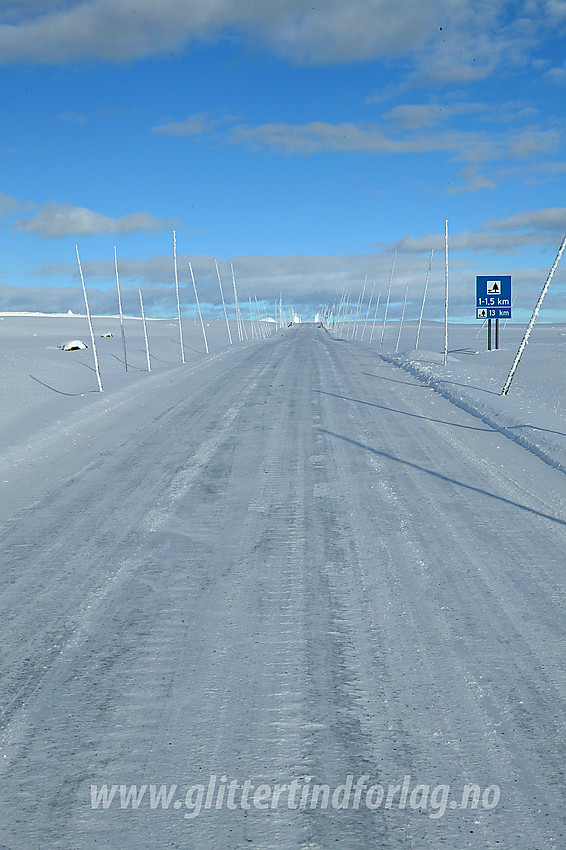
(61, 534)
(302, 606)
(447, 525)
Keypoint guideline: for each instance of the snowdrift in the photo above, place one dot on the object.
(73, 345)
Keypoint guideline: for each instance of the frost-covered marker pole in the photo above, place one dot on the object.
(198, 307)
(252, 326)
(260, 320)
(145, 333)
(345, 309)
(345, 313)
(178, 299)
(367, 312)
(338, 316)
(423, 301)
(240, 322)
(536, 311)
(446, 292)
(402, 318)
(388, 297)
(482, 327)
(512, 305)
(122, 332)
(352, 324)
(223, 303)
(360, 309)
(96, 366)
(375, 316)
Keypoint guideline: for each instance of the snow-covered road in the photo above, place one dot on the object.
(292, 561)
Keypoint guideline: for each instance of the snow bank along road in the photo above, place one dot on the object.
(293, 561)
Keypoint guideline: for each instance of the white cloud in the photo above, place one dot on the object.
(450, 40)
(54, 219)
(301, 278)
(130, 29)
(335, 31)
(532, 140)
(317, 136)
(72, 117)
(556, 76)
(552, 167)
(8, 204)
(314, 137)
(75, 117)
(105, 29)
(528, 229)
(557, 11)
(472, 181)
(478, 241)
(194, 125)
(306, 279)
(467, 146)
(550, 219)
(414, 116)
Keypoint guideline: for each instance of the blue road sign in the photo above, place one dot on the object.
(493, 296)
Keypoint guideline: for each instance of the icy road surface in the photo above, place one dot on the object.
(293, 561)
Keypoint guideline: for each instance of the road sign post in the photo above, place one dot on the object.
(493, 301)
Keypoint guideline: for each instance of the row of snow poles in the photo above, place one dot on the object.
(354, 319)
(531, 323)
(284, 316)
(349, 320)
(122, 333)
(259, 326)
(336, 317)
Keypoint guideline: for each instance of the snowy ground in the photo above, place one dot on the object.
(290, 559)
(532, 413)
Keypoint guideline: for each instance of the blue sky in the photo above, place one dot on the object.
(301, 141)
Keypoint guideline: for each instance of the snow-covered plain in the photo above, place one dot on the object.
(299, 557)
